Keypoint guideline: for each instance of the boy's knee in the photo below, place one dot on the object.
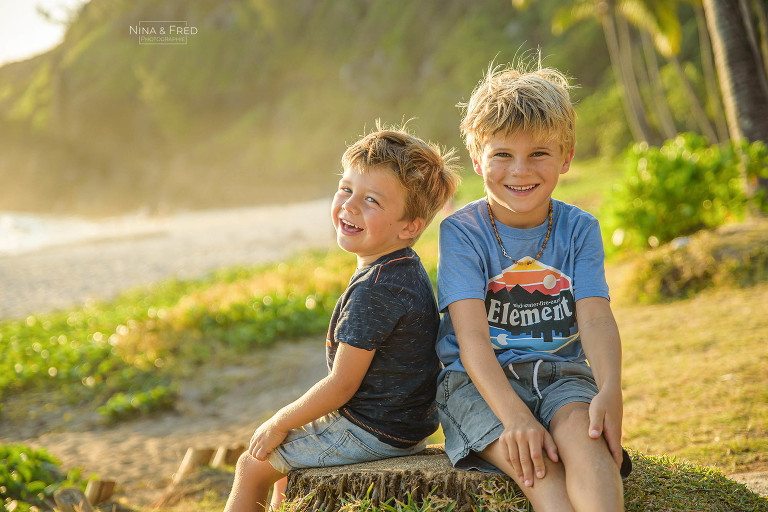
(254, 469)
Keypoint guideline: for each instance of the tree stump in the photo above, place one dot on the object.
(99, 491)
(193, 459)
(70, 499)
(427, 472)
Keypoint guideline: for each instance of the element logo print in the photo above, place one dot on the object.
(531, 307)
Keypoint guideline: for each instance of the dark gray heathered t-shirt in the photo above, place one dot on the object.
(389, 306)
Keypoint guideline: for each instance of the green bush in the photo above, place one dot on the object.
(29, 477)
(680, 188)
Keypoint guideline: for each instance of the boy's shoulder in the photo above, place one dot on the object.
(397, 266)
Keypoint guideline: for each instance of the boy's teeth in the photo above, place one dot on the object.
(350, 224)
(521, 189)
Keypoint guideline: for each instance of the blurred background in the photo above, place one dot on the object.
(258, 104)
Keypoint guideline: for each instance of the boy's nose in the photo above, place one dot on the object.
(351, 205)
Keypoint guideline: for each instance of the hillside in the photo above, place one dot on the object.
(264, 94)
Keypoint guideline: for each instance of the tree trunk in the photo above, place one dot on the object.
(710, 78)
(762, 25)
(630, 78)
(659, 99)
(753, 38)
(607, 17)
(702, 121)
(746, 104)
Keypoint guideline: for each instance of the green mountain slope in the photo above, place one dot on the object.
(259, 104)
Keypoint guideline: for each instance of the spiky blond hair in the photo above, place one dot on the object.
(507, 100)
(427, 173)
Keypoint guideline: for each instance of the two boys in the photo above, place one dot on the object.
(516, 270)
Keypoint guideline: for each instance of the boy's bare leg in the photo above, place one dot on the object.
(278, 493)
(253, 479)
(547, 494)
(592, 477)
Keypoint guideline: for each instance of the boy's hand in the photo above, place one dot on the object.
(522, 442)
(605, 414)
(266, 438)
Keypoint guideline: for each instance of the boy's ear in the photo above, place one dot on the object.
(567, 163)
(477, 167)
(412, 229)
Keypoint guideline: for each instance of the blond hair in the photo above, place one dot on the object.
(507, 100)
(428, 174)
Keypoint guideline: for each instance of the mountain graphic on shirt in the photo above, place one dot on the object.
(531, 307)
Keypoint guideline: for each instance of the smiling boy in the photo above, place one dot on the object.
(522, 287)
(378, 398)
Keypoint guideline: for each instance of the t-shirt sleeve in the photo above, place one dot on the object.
(369, 316)
(589, 273)
(460, 267)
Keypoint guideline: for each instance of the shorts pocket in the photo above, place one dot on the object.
(348, 450)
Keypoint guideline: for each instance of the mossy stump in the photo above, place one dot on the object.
(428, 473)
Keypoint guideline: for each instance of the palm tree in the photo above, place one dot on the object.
(741, 74)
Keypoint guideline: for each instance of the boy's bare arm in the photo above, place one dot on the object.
(349, 368)
(602, 346)
(523, 436)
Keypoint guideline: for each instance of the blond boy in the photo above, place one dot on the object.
(378, 399)
(516, 271)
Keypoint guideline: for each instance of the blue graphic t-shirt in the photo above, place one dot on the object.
(531, 308)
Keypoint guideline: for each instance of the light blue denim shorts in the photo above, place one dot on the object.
(333, 440)
(470, 425)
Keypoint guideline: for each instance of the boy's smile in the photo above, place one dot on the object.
(520, 173)
(367, 213)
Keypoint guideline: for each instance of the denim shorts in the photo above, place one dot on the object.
(470, 425)
(332, 440)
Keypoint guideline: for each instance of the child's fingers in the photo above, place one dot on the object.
(537, 458)
(513, 458)
(614, 444)
(550, 447)
(596, 418)
(526, 464)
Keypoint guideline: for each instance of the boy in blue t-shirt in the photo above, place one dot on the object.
(378, 400)
(522, 288)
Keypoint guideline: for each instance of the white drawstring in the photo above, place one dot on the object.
(536, 378)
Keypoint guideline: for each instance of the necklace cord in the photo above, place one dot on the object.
(498, 238)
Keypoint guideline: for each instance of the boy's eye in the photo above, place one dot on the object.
(540, 153)
(371, 200)
(346, 189)
(502, 154)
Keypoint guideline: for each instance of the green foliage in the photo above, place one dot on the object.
(678, 189)
(115, 354)
(126, 405)
(735, 255)
(29, 477)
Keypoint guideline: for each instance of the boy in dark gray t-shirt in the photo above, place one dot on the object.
(378, 399)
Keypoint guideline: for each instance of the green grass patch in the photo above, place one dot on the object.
(124, 355)
(29, 477)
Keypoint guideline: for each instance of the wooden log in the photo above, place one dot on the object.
(226, 455)
(99, 491)
(70, 499)
(193, 459)
(428, 473)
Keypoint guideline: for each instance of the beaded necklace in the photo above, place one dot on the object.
(498, 238)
